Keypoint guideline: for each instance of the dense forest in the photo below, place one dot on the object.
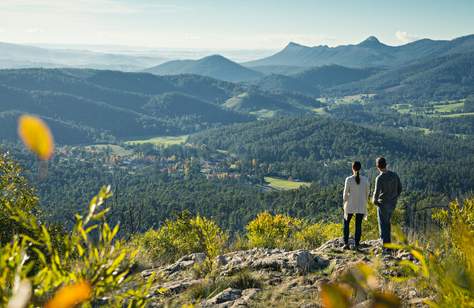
(320, 150)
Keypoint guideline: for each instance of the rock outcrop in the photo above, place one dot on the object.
(295, 276)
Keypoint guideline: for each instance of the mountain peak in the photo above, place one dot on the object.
(215, 58)
(371, 41)
(293, 45)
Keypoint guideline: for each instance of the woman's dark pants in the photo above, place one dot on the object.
(358, 228)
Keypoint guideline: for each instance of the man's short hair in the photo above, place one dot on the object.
(381, 162)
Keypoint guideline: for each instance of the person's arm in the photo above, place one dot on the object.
(367, 190)
(376, 191)
(399, 186)
(345, 195)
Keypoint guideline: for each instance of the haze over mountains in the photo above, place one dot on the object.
(24, 56)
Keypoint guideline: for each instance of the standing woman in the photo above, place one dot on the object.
(356, 195)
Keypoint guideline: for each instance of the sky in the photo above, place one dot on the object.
(237, 24)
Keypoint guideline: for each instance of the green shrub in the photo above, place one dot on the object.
(281, 231)
(182, 236)
(272, 231)
(36, 264)
(14, 190)
(314, 235)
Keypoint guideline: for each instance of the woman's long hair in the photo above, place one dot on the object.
(356, 167)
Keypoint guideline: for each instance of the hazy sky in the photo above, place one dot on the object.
(242, 24)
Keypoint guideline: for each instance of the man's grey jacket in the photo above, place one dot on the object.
(387, 189)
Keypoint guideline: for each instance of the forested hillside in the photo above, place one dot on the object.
(138, 105)
(98, 106)
(320, 149)
(448, 77)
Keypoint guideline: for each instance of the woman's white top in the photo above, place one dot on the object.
(356, 196)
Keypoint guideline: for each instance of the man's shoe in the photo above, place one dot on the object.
(346, 247)
(357, 247)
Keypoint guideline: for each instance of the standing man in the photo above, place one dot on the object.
(387, 190)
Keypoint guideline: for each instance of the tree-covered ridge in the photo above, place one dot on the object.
(109, 105)
(442, 78)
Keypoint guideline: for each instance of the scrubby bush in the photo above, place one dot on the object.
(281, 231)
(14, 190)
(39, 267)
(314, 235)
(272, 231)
(182, 236)
(450, 268)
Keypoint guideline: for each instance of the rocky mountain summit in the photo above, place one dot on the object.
(275, 277)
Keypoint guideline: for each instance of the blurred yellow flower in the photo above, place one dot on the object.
(36, 136)
(70, 296)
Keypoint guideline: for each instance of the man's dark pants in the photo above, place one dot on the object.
(358, 228)
(384, 215)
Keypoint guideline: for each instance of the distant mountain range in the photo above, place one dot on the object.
(215, 66)
(369, 53)
(23, 56)
(87, 105)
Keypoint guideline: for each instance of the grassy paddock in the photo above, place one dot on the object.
(282, 184)
(115, 149)
(443, 108)
(449, 107)
(458, 115)
(164, 141)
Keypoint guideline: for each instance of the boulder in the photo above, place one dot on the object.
(304, 261)
(175, 287)
(247, 296)
(185, 263)
(221, 260)
(226, 296)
